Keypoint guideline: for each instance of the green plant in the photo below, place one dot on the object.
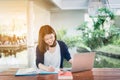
(96, 37)
(114, 35)
(104, 13)
(71, 41)
(61, 33)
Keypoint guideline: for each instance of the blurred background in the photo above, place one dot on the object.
(84, 25)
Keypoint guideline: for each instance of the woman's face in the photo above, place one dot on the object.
(49, 39)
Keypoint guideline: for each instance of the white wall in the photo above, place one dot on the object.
(68, 18)
(42, 16)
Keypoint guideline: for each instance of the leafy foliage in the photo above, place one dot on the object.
(71, 41)
(96, 37)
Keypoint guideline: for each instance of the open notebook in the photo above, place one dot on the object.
(32, 71)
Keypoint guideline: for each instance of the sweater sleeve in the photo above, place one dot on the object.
(39, 57)
(65, 52)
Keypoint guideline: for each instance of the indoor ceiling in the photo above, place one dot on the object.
(81, 4)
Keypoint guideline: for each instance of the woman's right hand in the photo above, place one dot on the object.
(51, 69)
(46, 68)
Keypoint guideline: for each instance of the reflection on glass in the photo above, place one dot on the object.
(13, 43)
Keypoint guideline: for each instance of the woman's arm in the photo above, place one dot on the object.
(71, 61)
(65, 51)
(39, 57)
(40, 61)
(46, 68)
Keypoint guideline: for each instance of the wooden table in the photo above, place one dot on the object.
(94, 74)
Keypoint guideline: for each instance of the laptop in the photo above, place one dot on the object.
(82, 62)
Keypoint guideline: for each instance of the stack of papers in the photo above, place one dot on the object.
(32, 72)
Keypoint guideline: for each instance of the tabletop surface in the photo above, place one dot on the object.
(94, 74)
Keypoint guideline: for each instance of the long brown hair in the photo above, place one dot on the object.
(45, 29)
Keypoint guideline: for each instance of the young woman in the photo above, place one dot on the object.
(50, 52)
